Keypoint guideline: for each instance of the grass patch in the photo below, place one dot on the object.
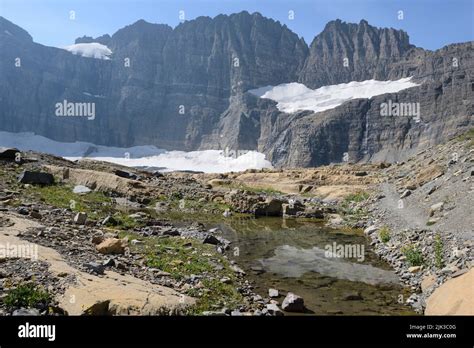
(258, 190)
(183, 257)
(357, 197)
(27, 295)
(413, 255)
(468, 136)
(95, 204)
(438, 249)
(384, 234)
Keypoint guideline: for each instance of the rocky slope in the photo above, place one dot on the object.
(186, 88)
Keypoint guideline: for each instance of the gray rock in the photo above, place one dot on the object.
(80, 218)
(94, 267)
(36, 178)
(273, 293)
(81, 189)
(274, 310)
(293, 303)
(26, 312)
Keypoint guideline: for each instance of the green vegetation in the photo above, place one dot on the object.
(264, 190)
(384, 234)
(185, 257)
(357, 197)
(95, 204)
(468, 136)
(438, 249)
(27, 295)
(413, 255)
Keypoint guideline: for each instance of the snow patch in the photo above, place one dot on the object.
(209, 161)
(90, 50)
(293, 97)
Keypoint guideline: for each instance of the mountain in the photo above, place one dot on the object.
(187, 88)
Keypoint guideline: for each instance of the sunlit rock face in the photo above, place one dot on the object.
(187, 88)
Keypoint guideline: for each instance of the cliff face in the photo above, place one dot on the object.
(185, 88)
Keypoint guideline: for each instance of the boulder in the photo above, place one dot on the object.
(274, 310)
(313, 212)
(80, 218)
(8, 153)
(273, 293)
(293, 303)
(36, 178)
(436, 208)
(126, 175)
(292, 209)
(271, 207)
(111, 246)
(455, 297)
(81, 189)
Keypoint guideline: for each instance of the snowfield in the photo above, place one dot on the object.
(292, 97)
(208, 161)
(90, 50)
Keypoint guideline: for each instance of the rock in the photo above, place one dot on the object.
(371, 229)
(406, 193)
(305, 188)
(227, 213)
(213, 314)
(293, 303)
(414, 269)
(432, 221)
(313, 212)
(126, 175)
(428, 282)
(454, 297)
(26, 312)
(95, 267)
(226, 280)
(97, 238)
(271, 207)
(210, 239)
(237, 269)
(81, 189)
(8, 153)
(353, 296)
(292, 209)
(436, 208)
(335, 220)
(80, 218)
(109, 263)
(273, 293)
(111, 246)
(110, 220)
(362, 173)
(274, 310)
(460, 273)
(35, 214)
(36, 178)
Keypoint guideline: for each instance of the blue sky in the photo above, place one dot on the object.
(430, 24)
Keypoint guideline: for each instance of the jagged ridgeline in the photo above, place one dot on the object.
(187, 89)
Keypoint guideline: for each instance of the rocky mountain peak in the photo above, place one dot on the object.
(13, 31)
